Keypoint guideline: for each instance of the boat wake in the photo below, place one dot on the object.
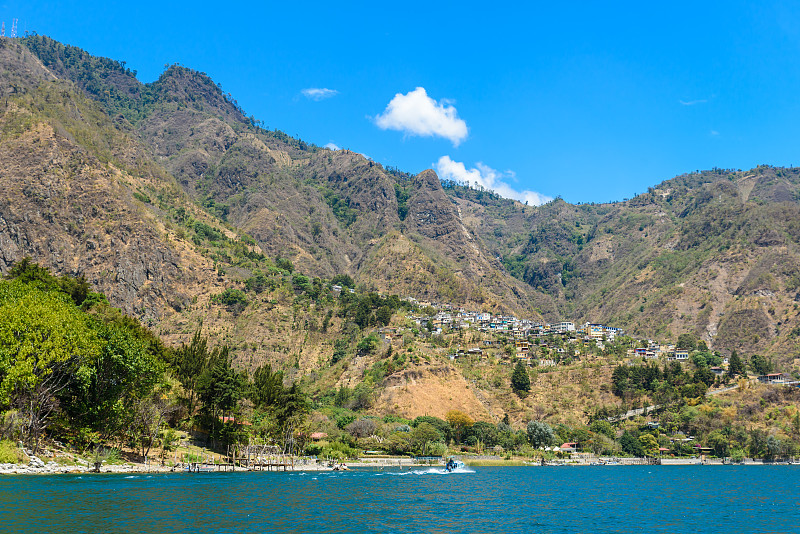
(433, 471)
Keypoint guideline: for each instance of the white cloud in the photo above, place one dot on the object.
(488, 178)
(416, 113)
(319, 93)
(692, 102)
(332, 146)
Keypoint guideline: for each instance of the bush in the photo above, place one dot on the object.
(339, 451)
(230, 297)
(9, 453)
(369, 343)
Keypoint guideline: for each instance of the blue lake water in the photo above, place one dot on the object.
(728, 499)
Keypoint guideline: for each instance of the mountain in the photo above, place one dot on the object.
(330, 212)
(165, 195)
(711, 253)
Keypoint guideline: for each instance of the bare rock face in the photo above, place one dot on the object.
(430, 211)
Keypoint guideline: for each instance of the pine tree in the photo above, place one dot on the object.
(520, 381)
(735, 365)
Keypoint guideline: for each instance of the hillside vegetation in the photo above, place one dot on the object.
(190, 216)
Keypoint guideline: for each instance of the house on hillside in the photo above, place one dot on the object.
(387, 334)
(563, 327)
(594, 330)
(774, 378)
(678, 355)
(570, 446)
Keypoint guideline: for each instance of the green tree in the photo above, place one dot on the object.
(442, 426)
(220, 387)
(603, 427)
(757, 444)
(384, 315)
(631, 445)
(339, 349)
(704, 375)
(44, 339)
(267, 388)
(106, 388)
(190, 361)
(285, 264)
(735, 365)
(520, 381)
(343, 280)
(649, 443)
(760, 365)
(422, 435)
(687, 341)
(719, 442)
(540, 434)
(368, 344)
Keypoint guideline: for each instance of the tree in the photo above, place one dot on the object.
(384, 315)
(220, 387)
(43, 340)
(339, 349)
(422, 435)
(687, 341)
(619, 380)
(757, 445)
(267, 388)
(649, 443)
(631, 445)
(368, 344)
(760, 365)
(704, 375)
(520, 381)
(361, 428)
(343, 280)
(459, 421)
(107, 387)
(285, 264)
(190, 361)
(540, 434)
(735, 365)
(719, 442)
(442, 426)
(603, 427)
(147, 418)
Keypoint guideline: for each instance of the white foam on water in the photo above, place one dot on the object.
(432, 471)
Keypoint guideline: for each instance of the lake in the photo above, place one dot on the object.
(729, 499)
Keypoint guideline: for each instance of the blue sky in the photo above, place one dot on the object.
(535, 100)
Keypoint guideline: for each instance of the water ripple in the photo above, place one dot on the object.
(486, 500)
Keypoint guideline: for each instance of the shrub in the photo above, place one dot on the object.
(9, 453)
(230, 297)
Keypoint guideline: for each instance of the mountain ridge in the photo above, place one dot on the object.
(711, 253)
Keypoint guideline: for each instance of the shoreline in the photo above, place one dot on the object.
(53, 468)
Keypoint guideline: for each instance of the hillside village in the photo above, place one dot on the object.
(538, 344)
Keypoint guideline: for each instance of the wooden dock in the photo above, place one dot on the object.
(262, 458)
